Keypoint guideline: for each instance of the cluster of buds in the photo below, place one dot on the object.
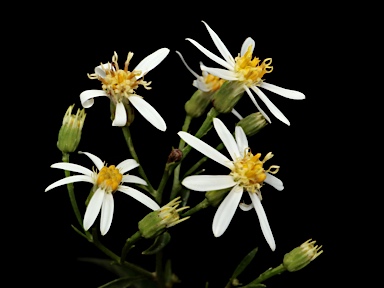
(70, 131)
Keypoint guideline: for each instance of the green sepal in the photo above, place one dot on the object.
(160, 242)
(244, 263)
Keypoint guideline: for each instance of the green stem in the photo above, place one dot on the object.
(129, 243)
(116, 258)
(102, 248)
(159, 269)
(128, 139)
(268, 274)
(202, 205)
(207, 124)
(169, 167)
(71, 192)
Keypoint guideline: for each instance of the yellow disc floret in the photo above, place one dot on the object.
(213, 82)
(109, 178)
(249, 172)
(117, 83)
(251, 70)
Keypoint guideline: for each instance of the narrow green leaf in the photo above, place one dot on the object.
(256, 285)
(244, 263)
(160, 242)
(123, 282)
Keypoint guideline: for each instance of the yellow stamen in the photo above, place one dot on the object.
(250, 70)
(249, 171)
(109, 178)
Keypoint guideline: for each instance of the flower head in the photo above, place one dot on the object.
(301, 256)
(107, 180)
(247, 71)
(70, 131)
(120, 85)
(247, 174)
(157, 221)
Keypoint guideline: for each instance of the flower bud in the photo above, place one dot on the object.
(253, 123)
(175, 156)
(156, 222)
(70, 131)
(214, 197)
(198, 103)
(301, 256)
(227, 96)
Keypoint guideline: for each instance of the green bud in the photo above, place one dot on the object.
(198, 103)
(301, 256)
(156, 222)
(253, 123)
(227, 96)
(70, 131)
(214, 197)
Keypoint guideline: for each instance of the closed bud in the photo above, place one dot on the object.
(198, 103)
(301, 256)
(70, 131)
(253, 123)
(156, 222)
(227, 96)
(214, 197)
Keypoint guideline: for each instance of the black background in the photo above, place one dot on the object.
(72, 41)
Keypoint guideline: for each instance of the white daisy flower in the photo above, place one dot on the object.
(107, 181)
(247, 174)
(120, 85)
(248, 72)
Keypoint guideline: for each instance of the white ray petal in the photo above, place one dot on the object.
(220, 45)
(139, 196)
(237, 114)
(241, 140)
(247, 42)
(186, 65)
(70, 179)
(148, 112)
(227, 138)
(267, 232)
(291, 94)
(201, 85)
(93, 208)
(86, 97)
(226, 211)
(100, 71)
(257, 105)
(133, 179)
(73, 168)
(120, 115)
(127, 165)
(274, 182)
(204, 183)
(245, 207)
(151, 61)
(274, 110)
(221, 73)
(96, 160)
(205, 149)
(106, 213)
(210, 55)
